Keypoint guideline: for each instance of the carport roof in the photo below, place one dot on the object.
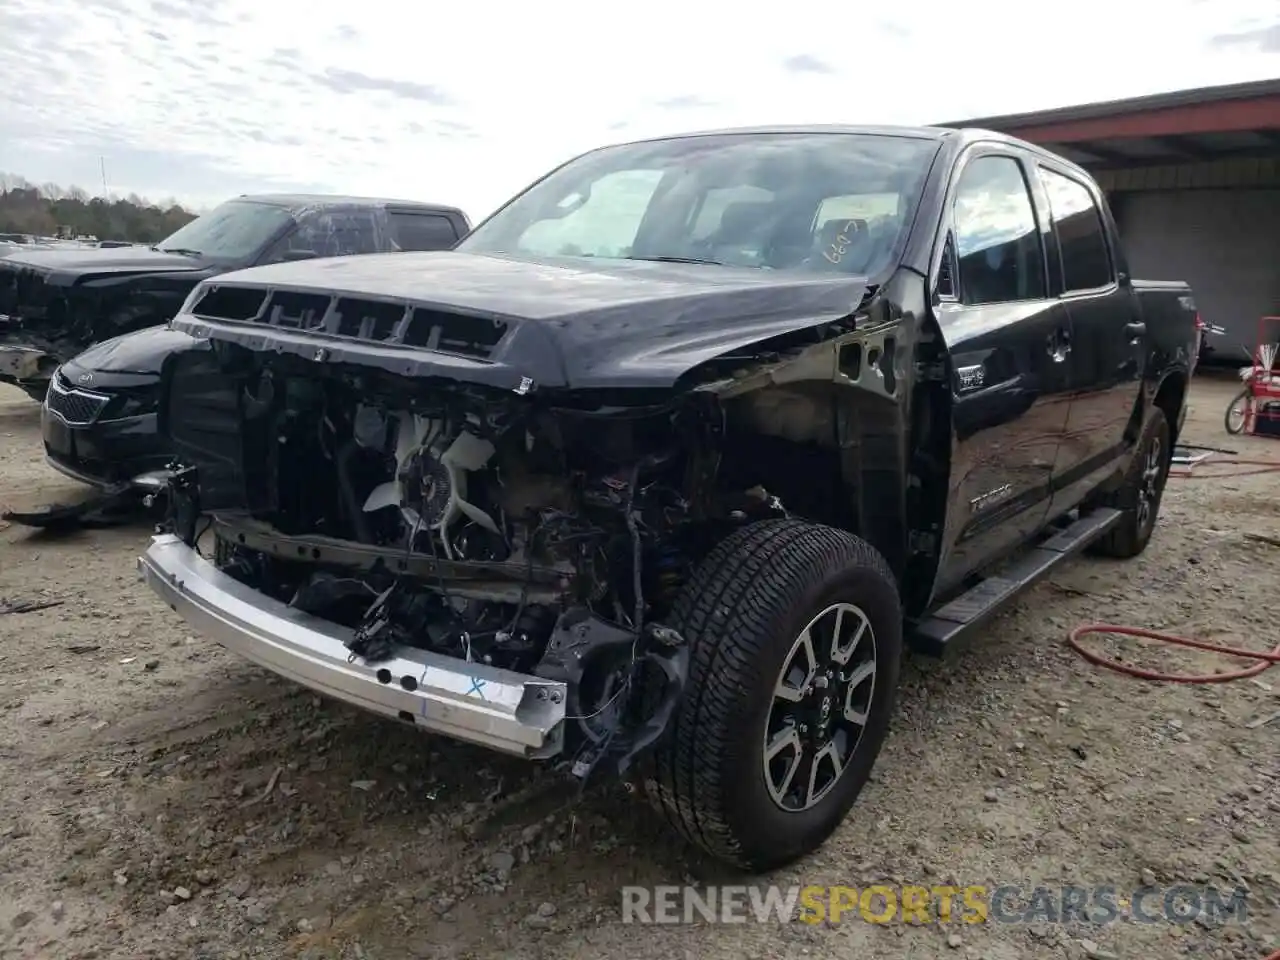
(1184, 126)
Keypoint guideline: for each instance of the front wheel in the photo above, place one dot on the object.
(1237, 412)
(795, 632)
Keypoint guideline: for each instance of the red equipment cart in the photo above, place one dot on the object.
(1255, 410)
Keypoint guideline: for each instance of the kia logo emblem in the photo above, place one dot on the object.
(85, 378)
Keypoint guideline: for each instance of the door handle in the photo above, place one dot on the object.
(1135, 329)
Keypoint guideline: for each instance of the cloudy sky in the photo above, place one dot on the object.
(465, 104)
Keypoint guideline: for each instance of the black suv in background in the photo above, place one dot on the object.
(99, 420)
(57, 302)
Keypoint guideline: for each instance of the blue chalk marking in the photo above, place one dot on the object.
(477, 686)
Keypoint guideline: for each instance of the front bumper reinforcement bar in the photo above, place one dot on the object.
(473, 702)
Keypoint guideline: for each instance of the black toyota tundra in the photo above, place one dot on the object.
(659, 470)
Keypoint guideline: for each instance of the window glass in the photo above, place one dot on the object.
(1086, 262)
(336, 233)
(423, 231)
(330, 233)
(997, 241)
(716, 202)
(865, 206)
(828, 202)
(233, 231)
(601, 222)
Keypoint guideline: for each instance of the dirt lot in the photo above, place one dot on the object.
(135, 761)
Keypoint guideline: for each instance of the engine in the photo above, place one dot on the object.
(549, 541)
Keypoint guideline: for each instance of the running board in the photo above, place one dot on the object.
(939, 630)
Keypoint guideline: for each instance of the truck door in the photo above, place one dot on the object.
(1008, 339)
(1104, 367)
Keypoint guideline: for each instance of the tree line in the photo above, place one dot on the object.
(48, 210)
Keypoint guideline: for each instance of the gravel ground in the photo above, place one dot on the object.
(161, 798)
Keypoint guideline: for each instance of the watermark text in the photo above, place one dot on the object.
(979, 903)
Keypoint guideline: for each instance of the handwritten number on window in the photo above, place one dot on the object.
(840, 245)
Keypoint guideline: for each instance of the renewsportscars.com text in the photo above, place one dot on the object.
(977, 903)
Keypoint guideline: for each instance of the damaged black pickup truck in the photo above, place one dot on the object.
(661, 468)
(54, 303)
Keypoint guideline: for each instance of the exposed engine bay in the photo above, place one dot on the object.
(488, 526)
(44, 323)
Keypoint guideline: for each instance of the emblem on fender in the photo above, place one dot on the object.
(971, 377)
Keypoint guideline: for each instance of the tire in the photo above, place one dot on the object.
(741, 613)
(1144, 481)
(1243, 395)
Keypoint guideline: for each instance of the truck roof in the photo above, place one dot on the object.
(920, 133)
(299, 201)
(959, 135)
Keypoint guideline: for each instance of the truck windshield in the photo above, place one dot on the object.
(233, 231)
(832, 202)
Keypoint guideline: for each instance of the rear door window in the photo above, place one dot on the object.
(1082, 240)
(422, 231)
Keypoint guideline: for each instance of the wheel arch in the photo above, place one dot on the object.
(1170, 397)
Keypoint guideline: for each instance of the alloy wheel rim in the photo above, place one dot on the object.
(820, 707)
(1149, 487)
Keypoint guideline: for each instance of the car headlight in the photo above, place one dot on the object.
(54, 378)
(140, 405)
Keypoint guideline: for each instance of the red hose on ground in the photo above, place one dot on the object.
(1265, 661)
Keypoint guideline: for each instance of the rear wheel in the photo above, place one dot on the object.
(1237, 411)
(1141, 493)
(795, 632)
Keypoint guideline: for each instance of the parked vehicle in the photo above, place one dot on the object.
(657, 471)
(99, 417)
(55, 303)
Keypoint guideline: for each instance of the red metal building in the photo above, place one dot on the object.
(1193, 178)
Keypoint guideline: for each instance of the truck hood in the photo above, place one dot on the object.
(142, 353)
(66, 267)
(578, 323)
(60, 302)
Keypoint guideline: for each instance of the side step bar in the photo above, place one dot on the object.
(933, 634)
